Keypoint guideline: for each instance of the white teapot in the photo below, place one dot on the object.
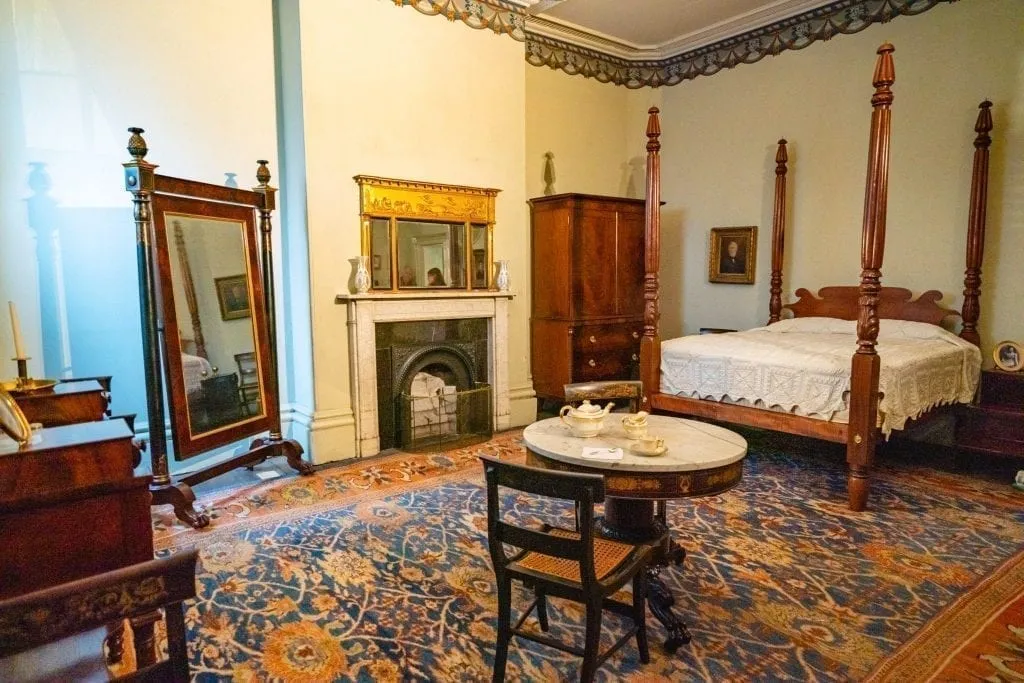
(587, 420)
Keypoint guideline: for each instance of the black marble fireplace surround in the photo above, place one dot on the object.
(454, 350)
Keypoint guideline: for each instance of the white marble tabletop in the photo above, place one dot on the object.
(691, 445)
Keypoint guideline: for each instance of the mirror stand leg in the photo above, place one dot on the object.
(289, 448)
(181, 497)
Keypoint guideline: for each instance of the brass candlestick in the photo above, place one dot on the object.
(22, 370)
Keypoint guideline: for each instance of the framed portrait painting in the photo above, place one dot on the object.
(1009, 356)
(233, 297)
(732, 255)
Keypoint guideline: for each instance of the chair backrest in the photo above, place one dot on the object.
(247, 368)
(583, 489)
(52, 614)
(630, 390)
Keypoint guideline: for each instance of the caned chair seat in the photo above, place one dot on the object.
(608, 556)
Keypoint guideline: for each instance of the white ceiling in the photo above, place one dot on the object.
(674, 25)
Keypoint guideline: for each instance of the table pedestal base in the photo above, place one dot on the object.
(634, 521)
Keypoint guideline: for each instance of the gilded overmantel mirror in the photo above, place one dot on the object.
(418, 235)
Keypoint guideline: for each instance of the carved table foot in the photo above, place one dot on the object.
(181, 497)
(660, 600)
(676, 553)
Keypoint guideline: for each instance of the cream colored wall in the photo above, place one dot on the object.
(387, 91)
(719, 143)
(582, 123)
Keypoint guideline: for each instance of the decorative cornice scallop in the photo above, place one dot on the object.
(784, 25)
(593, 59)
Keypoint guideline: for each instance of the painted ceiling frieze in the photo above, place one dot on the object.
(501, 16)
(574, 52)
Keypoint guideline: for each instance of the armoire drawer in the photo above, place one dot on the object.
(600, 365)
(618, 336)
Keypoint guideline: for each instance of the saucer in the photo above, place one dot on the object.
(647, 452)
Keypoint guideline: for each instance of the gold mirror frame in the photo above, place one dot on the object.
(396, 200)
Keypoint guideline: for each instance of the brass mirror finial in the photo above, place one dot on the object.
(137, 144)
(262, 172)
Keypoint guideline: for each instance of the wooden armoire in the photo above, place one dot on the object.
(587, 284)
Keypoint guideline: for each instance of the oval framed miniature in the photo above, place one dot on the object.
(1009, 356)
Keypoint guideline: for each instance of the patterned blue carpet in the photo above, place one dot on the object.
(781, 581)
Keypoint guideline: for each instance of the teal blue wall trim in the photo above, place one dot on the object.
(794, 33)
(295, 333)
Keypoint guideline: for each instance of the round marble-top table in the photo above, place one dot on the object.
(700, 460)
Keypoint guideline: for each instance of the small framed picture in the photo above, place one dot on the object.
(233, 296)
(1009, 356)
(376, 261)
(732, 255)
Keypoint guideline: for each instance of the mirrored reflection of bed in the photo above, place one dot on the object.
(854, 363)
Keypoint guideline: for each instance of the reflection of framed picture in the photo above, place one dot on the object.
(732, 255)
(233, 296)
(479, 267)
(1009, 356)
(376, 261)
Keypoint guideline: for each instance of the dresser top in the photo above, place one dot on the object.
(85, 386)
(50, 438)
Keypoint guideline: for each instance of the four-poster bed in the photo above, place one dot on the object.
(866, 304)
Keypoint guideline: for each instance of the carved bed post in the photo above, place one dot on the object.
(650, 344)
(190, 291)
(778, 234)
(860, 443)
(976, 225)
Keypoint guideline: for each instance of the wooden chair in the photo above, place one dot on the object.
(571, 564)
(249, 382)
(78, 612)
(630, 390)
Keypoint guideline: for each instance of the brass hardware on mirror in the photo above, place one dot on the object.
(636, 335)
(593, 339)
(591, 362)
(418, 235)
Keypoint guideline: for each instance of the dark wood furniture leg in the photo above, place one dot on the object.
(635, 521)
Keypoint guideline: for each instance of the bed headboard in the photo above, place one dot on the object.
(893, 302)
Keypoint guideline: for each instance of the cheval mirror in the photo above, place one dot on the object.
(206, 294)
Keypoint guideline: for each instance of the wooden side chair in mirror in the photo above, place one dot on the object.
(571, 564)
(248, 383)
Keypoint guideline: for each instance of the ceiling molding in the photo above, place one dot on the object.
(577, 52)
(746, 39)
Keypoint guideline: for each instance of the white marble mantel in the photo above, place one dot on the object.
(366, 310)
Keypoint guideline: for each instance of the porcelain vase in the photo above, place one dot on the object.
(502, 280)
(362, 276)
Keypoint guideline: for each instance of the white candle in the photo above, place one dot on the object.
(19, 345)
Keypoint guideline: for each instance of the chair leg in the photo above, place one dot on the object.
(593, 643)
(640, 614)
(504, 628)
(542, 609)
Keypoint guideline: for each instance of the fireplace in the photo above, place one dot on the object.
(458, 338)
(432, 377)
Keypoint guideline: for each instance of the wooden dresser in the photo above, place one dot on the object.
(587, 284)
(69, 402)
(995, 424)
(70, 506)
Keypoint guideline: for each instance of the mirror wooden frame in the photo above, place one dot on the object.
(186, 443)
(151, 191)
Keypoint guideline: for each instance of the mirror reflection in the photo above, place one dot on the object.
(213, 300)
(430, 255)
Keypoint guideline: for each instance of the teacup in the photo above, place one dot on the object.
(651, 443)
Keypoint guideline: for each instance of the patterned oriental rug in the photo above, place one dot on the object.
(379, 572)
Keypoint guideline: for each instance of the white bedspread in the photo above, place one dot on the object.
(195, 369)
(802, 366)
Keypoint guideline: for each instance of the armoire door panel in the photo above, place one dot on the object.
(595, 276)
(630, 292)
(551, 268)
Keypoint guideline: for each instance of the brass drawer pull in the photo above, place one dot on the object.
(591, 362)
(593, 339)
(635, 357)
(636, 335)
